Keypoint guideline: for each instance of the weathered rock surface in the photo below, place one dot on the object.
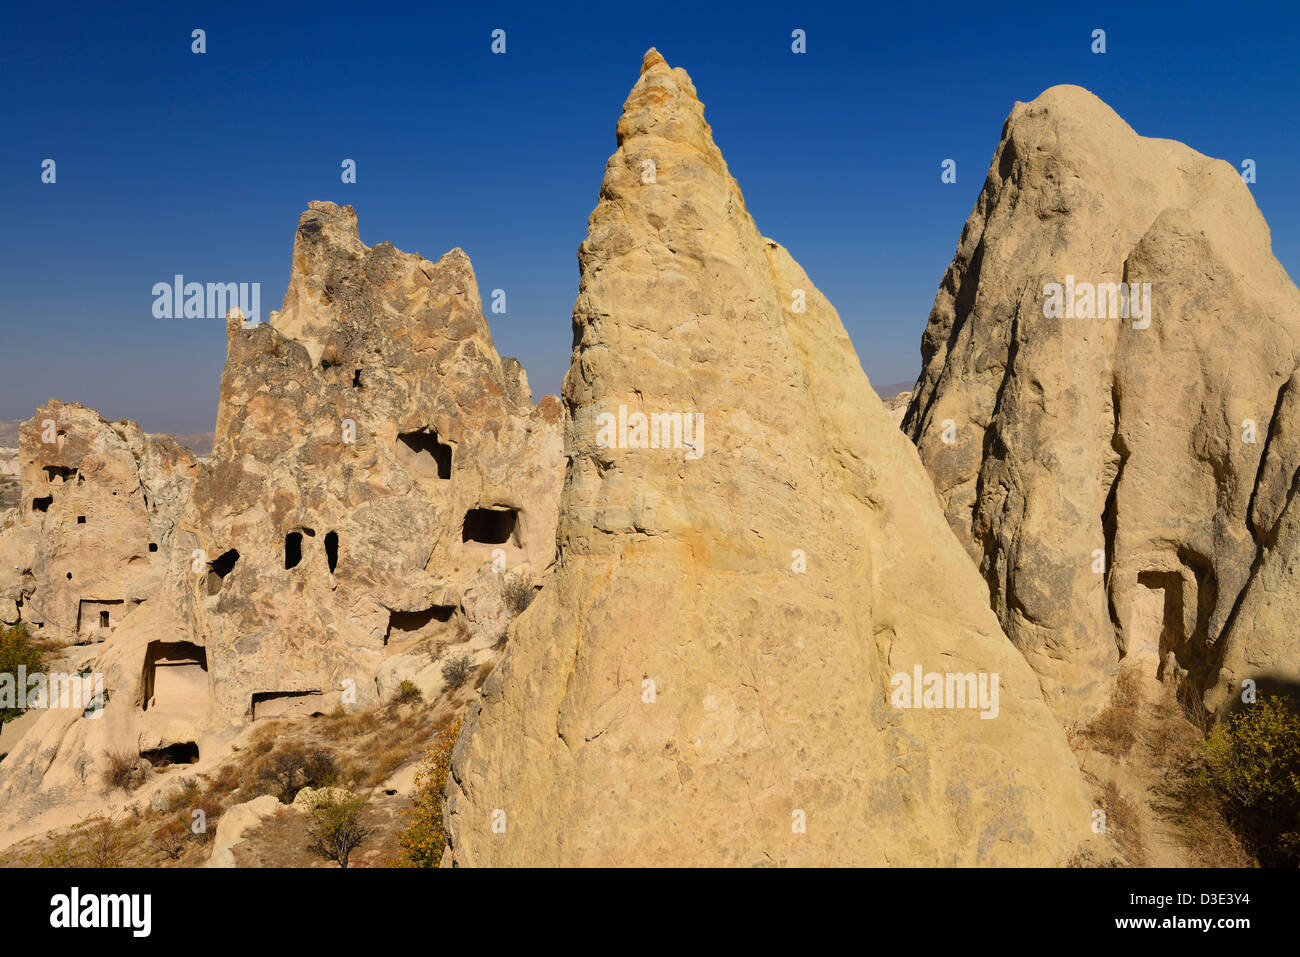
(682, 692)
(373, 457)
(235, 824)
(1103, 467)
(100, 505)
(379, 474)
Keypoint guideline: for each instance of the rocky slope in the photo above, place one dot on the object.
(708, 678)
(1115, 460)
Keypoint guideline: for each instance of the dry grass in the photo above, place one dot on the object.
(1114, 730)
(123, 770)
(367, 748)
(1123, 824)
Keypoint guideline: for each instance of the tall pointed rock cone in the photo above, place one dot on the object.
(708, 677)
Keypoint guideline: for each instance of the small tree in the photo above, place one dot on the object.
(456, 672)
(336, 828)
(424, 839)
(171, 837)
(291, 767)
(17, 649)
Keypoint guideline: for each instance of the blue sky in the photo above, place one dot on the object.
(170, 162)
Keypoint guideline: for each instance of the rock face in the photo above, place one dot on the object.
(99, 512)
(707, 678)
(379, 475)
(373, 458)
(1106, 402)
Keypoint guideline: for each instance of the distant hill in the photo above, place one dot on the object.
(200, 443)
(9, 433)
(891, 389)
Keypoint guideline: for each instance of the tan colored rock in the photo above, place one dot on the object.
(371, 490)
(896, 406)
(100, 506)
(1100, 471)
(679, 693)
(373, 423)
(235, 823)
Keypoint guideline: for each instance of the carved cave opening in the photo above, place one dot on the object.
(490, 526)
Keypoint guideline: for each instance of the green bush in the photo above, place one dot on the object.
(1252, 761)
(336, 829)
(16, 648)
(406, 693)
(424, 839)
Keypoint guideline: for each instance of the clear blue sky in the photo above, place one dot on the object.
(171, 162)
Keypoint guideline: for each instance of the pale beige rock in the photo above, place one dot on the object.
(1092, 467)
(235, 823)
(332, 422)
(97, 496)
(896, 406)
(679, 693)
(404, 544)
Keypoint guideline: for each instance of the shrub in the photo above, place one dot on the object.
(456, 672)
(424, 839)
(517, 593)
(336, 829)
(123, 769)
(171, 838)
(96, 842)
(1252, 761)
(17, 649)
(291, 767)
(407, 692)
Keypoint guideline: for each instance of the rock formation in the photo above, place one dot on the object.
(374, 458)
(708, 677)
(97, 520)
(1106, 403)
(379, 473)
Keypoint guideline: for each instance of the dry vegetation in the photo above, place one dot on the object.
(1141, 754)
(351, 749)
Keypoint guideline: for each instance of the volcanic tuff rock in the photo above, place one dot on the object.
(372, 430)
(99, 511)
(1116, 481)
(378, 474)
(679, 693)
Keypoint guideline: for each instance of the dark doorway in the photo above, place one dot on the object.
(491, 526)
(184, 753)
